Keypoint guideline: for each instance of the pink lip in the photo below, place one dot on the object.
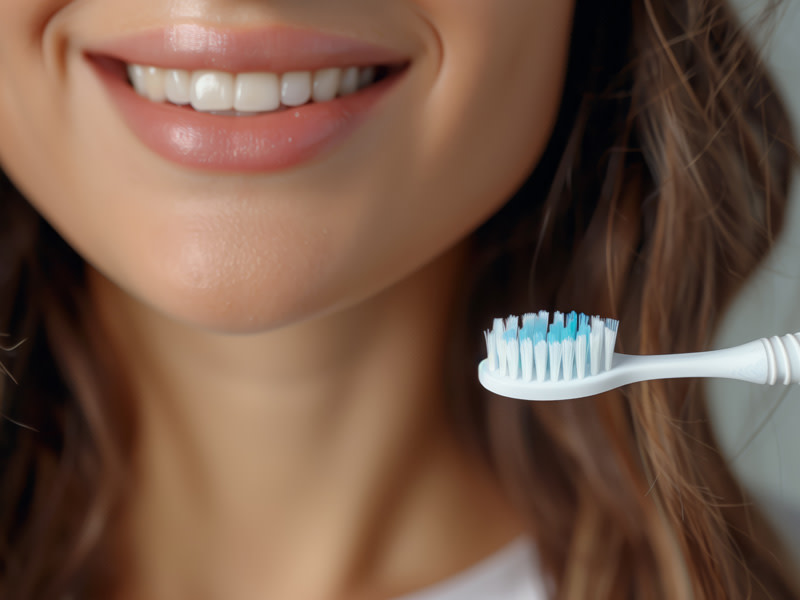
(262, 143)
(276, 49)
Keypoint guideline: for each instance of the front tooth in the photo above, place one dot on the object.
(257, 92)
(136, 75)
(211, 90)
(326, 84)
(349, 83)
(296, 88)
(366, 77)
(154, 84)
(177, 86)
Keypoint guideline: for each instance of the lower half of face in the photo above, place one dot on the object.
(239, 165)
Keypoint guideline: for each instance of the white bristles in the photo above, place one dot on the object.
(526, 357)
(555, 359)
(540, 359)
(533, 348)
(612, 325)
(568, 354)
(512, 356)
(580, 355)
(498, 327)
(498, 330)
(491, 349)
(596, 344)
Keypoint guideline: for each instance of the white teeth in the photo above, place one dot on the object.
(296, 88)
(177, 85)
(326, 85)
(136, 75)
(257, 92)
(244, 94)
(212, 90)
(154, 84)
(349, 83)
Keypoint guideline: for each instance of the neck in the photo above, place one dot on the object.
(321, 448)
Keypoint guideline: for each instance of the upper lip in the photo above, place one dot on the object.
(274, 49)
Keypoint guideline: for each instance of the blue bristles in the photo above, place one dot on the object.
(556, 333)
(561, 348)
(540, 328)
(526, 333)
(571, 329)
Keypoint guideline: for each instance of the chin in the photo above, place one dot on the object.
(223, 294)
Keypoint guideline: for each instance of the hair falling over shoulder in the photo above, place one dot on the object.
(663, 187)
(61, 442)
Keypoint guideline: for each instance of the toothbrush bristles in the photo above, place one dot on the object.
(612, 326)
(498, 331)
(560, 349)
(582, 345)
(491, 349)
(554, 341)
(596, 344)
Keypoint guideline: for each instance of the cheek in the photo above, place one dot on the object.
(34, 112)
(491, 99)
(501, 75)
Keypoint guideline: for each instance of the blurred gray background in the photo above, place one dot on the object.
(759, 427)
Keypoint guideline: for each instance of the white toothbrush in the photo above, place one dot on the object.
(573, 356)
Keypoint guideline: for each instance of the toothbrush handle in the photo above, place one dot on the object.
(765, 361)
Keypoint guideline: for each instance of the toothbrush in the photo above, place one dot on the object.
(572, 356)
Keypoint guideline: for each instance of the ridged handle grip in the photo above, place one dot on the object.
(783, 358)
(764, 361)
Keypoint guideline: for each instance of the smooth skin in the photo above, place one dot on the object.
(282, 332)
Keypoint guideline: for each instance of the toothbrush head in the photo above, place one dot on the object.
(546, 359)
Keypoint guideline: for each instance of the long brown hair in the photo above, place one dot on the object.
(663, 187)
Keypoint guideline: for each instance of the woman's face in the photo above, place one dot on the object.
(244, 222)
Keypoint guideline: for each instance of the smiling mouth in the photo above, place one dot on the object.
(259, 100)
(278, 120)
(251, 93)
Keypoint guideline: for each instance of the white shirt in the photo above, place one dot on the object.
(509, 574)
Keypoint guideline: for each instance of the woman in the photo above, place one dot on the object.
(243, 356)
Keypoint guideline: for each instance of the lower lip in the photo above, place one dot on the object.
(253, 144)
